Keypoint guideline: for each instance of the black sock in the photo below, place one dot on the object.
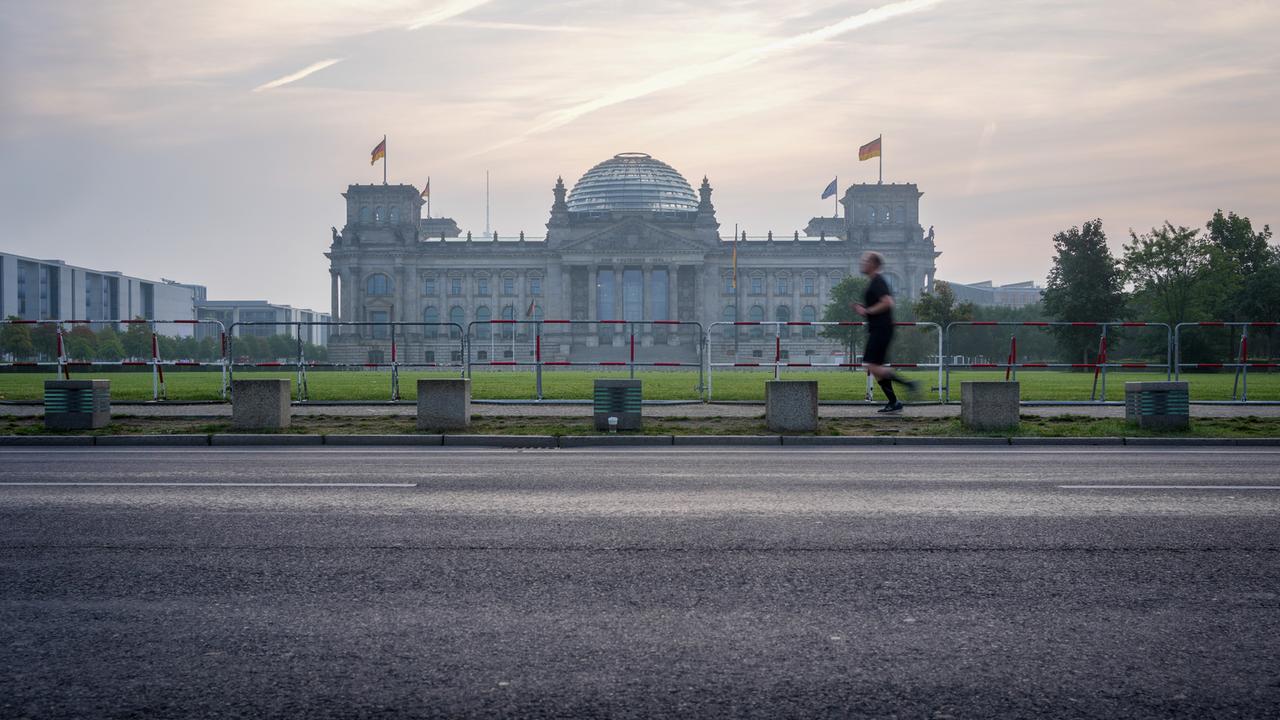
(886, 385)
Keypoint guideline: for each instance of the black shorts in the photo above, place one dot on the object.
(877, 350)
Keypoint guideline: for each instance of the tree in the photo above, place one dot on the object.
(15, 340)
(1084, 285)
(846, 292)
(109, 345)
(940, 306)
(1232, 236)
(137, 340)
(1235, 254)
(80, 343)
(1165, 265)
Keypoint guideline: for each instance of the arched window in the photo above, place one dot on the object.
(809, 313)
(508, 313)
(730, 314)
(457, 316)
(538, 315)
(756, 314)
(782, 313)
(483, 315)
(394, 215)
(378, 215)
(377, 284)
(431, 315)
(365, 215)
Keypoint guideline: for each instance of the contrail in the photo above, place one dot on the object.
(745, 58)
(293, 77)
(444, 12)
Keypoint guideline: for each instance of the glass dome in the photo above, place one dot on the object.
(632, 181)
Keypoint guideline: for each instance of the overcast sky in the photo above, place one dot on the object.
(209, 141)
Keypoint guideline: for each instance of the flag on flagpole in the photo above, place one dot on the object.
(532, 305)
(735, 257)
(379, 151)
(870, 150)
(831, 190)
(426, 190)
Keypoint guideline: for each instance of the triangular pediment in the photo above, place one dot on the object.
(634, 236)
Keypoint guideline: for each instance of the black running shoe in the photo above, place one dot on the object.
(891, 407)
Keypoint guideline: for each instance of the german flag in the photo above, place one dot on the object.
(379, 152)
(870, 150)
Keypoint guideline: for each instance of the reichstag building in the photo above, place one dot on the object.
(632, 240)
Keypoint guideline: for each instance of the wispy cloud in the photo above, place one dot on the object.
(485, 25)
(445, 12)
(681, 76)
(294, 77)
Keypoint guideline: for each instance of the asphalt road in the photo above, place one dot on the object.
(887, 582)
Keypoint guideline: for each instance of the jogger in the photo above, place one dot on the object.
(877, 308)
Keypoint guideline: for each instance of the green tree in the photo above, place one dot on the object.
(1085, 285)
(109, 345)
(1165, 266)
(81, 343)
(840, 309)
(137, 340)
(15, 340)
(1235, 255)
(45, 337)
(940, 306)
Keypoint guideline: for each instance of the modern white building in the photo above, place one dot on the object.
(35, 289)
(1013, 295)
(271, 319)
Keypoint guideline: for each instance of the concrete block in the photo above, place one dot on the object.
(260, 404)
(791, 405)
(622, 399)
(444, 404)
(1157, 405)
(989, 405)
(77, 404)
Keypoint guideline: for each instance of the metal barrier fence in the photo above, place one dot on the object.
(728, 352)
(369, 346)
(66, 354)
(1100, 365)
(1240, 355)
(541, 344)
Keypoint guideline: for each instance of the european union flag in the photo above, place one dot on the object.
(831, 190)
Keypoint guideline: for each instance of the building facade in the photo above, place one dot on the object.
(631, 241)
(268, 318)
(32, 289)
(1013, 295)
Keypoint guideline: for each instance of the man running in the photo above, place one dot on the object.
(878, 311)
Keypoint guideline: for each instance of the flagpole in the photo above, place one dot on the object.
(486, 203)
(881, 141)
(837, 196)
(384, 159)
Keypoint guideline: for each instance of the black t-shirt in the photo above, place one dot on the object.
(876, 290)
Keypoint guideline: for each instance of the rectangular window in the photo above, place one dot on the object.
(508, 286)
(728, 285)
(809, 285)
(604, 295)
(757, 285)
(632, 295)
(455, 286)
(455, 356)
(429, 286)
(660, 289)
(482, 286)
(782, 287)
(535, 286)
(429, 357)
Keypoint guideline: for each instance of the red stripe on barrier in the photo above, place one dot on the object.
(751, 364)
(24, 364)
(502, 322)
(850, 324)
(1084, 324)
(984, 365)
(78, 363)
(984, 322)
(1209, 365)
(666, 322)
(271, 364)
(1035, 324)
(23, 322)
(849, 365)
(186, 322)
(556, 322)
(1135, 324)
(1034, 365)
(906, 324)
(614, 362)
(904, 365)
(127, 322)
(747, 322)
(1135, 365)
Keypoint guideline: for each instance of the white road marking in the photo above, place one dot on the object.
(208, 484)
(1169, 487)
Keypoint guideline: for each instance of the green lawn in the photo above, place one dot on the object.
(561, 384)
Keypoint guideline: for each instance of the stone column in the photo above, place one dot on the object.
(618, 297)
(673, 293)
(333, 294)
(646, 306)
(593, 292)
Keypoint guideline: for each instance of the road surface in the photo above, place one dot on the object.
(881, 582)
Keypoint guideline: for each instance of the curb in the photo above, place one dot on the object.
(838, 440)
(152, 440)
(577, 441)
(233, 439)
(951, 441)
(501, 441)
(726, 440)
(47, 440)
(360, 440)
(1116, 441)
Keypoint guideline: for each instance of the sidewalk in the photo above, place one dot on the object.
(691, 410)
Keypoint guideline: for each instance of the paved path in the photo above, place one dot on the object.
(888, 582)
(693, 410)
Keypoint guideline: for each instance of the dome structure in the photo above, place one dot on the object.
(632, 182)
